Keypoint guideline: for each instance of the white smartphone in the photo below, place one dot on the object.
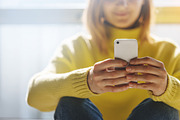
(125, 49)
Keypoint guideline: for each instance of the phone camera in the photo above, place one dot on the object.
(117, 42)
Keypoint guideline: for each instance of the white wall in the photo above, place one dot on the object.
(26, 50)
(171, 31)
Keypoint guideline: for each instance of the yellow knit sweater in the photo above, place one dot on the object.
(66, 75)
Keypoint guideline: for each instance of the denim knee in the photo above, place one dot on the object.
(70, 108)
(151, 110)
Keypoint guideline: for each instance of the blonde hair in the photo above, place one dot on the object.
(93, 20)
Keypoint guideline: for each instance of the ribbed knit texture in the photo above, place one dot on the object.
(170, 93)
(79, 83)
(66, 75)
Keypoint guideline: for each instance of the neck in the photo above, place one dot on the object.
(135, 25)
(118, 33)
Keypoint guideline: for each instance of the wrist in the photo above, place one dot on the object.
(90, 81)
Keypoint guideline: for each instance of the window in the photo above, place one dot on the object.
(166, 3)
(31, 4)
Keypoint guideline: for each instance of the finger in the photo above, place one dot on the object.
(145, 69)
(110, 69)
(119, 88)
(112, 74)
(145, 86)
(147, 60)
(116, 81)
(146, 78)
(109, 63)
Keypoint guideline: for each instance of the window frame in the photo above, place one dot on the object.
(40, 16)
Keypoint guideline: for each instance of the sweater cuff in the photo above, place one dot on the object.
(80, 85)
(170, 92)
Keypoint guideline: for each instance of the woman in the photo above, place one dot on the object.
(78, 74)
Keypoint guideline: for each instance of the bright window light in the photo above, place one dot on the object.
(166, 3)
(45, 4)
(51, 4)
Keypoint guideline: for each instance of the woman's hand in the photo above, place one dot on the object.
(154, 75)
(103, 78)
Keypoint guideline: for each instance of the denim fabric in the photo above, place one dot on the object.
(151, 110)
(70, 108)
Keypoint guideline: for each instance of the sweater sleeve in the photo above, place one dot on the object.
(60, 78)
(172, 93)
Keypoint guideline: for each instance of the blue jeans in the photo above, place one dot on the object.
(70, 108)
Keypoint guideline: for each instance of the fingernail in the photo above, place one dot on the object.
(130, 85)
(131, 62)
(128, 68)
(129, 77)
(125, 64)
